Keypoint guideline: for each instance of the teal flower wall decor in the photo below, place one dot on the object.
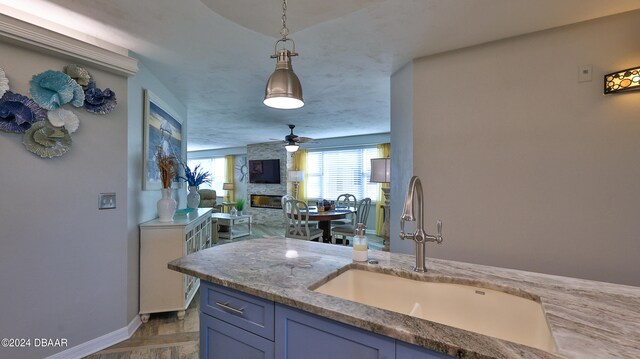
(52, 89)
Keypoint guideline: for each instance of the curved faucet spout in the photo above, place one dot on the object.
(419, 236)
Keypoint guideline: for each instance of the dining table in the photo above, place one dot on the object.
(324, 218)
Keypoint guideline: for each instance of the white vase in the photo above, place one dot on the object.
(166, 206)
(193, 198)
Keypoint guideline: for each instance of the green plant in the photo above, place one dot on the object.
(240, 204)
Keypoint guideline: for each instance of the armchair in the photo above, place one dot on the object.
(208, 200)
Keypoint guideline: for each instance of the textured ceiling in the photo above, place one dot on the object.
(214, 54)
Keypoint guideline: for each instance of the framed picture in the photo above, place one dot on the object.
(162, 131)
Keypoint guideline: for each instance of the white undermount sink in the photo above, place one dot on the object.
(484, 311)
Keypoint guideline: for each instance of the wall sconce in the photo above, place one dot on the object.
(622, 81)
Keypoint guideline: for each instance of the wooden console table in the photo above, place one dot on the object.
(225, 219)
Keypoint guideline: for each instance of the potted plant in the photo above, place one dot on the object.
(194, 179)
(167, 166)
(240, 206)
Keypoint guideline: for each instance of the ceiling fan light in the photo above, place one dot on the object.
(291, 147)
(283, 90)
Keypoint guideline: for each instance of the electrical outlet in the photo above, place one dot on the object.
(584, 73)
(107, 201)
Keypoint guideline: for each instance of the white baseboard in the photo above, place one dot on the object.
(97, 344)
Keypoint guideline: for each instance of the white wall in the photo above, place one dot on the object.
(142, 204)
(63, 265)
(527, 167)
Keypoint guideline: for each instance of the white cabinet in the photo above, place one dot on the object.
(161, 289)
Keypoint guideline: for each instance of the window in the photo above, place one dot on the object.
(334, 172)
(217, 167)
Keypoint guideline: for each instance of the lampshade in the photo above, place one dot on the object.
(296, 176)
(380, 170)
(622, 81)
(227, 186)
(291, 147)
(283, 89)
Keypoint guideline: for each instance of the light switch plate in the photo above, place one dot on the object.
(107, 200)
(584, 73)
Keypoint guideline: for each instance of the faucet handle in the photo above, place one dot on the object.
(439, 228)
(403, 234)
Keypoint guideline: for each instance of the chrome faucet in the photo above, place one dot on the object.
(419, 236)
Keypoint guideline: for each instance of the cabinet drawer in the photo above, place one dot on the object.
(241, 220)
(250, 313)
(220, 340)
(303, 335)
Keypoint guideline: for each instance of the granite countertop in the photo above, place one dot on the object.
(588, 319)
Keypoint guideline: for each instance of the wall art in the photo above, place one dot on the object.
(162, 131)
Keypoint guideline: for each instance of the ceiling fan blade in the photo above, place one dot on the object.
(305, 139)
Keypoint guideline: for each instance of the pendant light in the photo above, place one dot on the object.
(283, 89)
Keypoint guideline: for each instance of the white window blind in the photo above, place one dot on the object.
(331, 173)
(217, 167)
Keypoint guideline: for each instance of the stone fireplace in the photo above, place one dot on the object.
(265, 209)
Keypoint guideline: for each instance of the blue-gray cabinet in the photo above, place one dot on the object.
(237, 325)
(302, 335)
(221, 340)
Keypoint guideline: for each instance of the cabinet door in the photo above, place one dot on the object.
(220, 340)
(409, 351)
(302, 335)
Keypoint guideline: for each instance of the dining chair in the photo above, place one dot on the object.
(297, 225)
(349, 230)
(349, 201)
(284, 199)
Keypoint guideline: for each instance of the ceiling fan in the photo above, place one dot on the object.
(292, 140)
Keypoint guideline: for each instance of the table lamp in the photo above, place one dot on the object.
(381, 173)
(296, 177)
(227, 187)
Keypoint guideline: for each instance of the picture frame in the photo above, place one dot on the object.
(162, 130)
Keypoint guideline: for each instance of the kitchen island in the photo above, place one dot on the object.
(588, 319)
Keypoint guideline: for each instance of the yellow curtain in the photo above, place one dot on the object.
(300, 164)
(384, 150)
(229, 175)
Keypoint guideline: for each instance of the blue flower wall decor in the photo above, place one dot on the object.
(18, 112)
(99, 101)
(52, 89)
